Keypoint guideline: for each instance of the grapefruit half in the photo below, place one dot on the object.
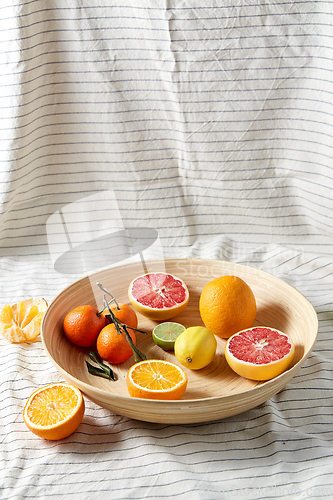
(158, 296)
(259, 353)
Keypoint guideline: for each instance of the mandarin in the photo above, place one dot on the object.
(227, 305)
(112, 344)
(124, 313)
(83, 324)
(21, 322)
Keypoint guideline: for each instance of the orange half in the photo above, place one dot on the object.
(54, 411)
(156, 379)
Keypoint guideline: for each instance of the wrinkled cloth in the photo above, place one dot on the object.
(210, 123)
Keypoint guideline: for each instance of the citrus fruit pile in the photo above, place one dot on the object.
(85, 326)
(227, 308)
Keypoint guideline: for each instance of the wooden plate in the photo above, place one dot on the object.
(214, 392)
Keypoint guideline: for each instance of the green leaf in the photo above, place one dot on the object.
(103, 368)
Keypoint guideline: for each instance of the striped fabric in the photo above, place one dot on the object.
(212, 123)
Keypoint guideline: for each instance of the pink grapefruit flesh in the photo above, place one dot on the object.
(158, 296)
(259, 353)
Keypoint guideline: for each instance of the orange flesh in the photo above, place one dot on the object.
(157, 377)
(52, 406)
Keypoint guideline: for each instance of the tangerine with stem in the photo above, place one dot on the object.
(123, 312)
(112, 344)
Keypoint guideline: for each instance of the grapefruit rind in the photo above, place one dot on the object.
(160, 313)
(259, 372)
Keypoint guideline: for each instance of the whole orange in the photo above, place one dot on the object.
(124, 313)
(112, 345)
(83, 324)
(227, 305)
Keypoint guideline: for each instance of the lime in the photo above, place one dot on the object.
(165, 334)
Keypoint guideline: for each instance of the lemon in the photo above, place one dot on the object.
(195, 347)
